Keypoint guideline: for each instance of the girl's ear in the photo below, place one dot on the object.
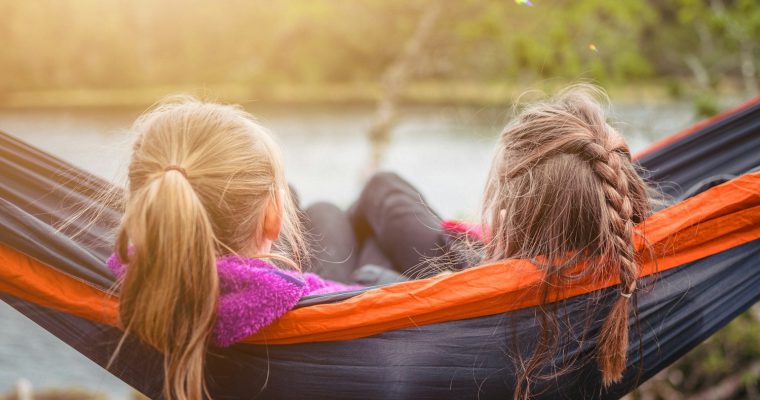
(273, 218)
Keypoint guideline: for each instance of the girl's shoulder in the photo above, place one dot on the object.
(253, 293)
(316, 285)
(238, 273)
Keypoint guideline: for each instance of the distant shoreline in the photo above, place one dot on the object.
(343, 94)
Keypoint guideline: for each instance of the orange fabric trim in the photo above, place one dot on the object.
(688, 131)
(716, 220)
(26, 278)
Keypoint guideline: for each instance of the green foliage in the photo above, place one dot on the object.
(729, 355)
(71, 44)
(706, 105)
(676, 89)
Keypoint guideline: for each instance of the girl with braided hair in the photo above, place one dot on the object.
(562, 192)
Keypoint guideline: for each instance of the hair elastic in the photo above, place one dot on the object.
(176, 168)
(626, 295)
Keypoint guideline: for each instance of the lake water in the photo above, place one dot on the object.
(444, 151)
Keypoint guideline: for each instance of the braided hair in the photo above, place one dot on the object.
(563, 192)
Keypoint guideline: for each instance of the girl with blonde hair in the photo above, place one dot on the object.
(206, 198)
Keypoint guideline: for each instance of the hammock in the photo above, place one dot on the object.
(440, 338)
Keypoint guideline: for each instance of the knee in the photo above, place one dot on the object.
(381, 182)
(322, 211)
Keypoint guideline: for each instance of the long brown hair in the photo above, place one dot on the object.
(200, 178)
(563, 192)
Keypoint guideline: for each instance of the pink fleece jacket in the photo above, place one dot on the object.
(253, 294)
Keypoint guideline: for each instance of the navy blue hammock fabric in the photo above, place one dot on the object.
(455, 359)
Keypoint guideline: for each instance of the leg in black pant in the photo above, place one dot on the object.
(334, 248)
(393, 213)
(337, 255)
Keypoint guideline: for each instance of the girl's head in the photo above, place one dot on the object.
(204, 180)
(563, 192)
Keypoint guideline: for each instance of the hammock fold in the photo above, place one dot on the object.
(437, 338)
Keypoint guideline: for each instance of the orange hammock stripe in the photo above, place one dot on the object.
(721, 218)
(28, 279)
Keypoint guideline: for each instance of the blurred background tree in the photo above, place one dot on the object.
(289, 50)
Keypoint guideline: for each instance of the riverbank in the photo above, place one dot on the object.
(24, 390)
(336, 94)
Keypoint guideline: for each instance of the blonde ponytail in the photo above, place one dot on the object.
(165, 297)
(201, 177)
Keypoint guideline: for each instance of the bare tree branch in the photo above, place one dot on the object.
(395, 80)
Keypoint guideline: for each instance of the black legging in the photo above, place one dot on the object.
(392, 227)
(389, 226)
